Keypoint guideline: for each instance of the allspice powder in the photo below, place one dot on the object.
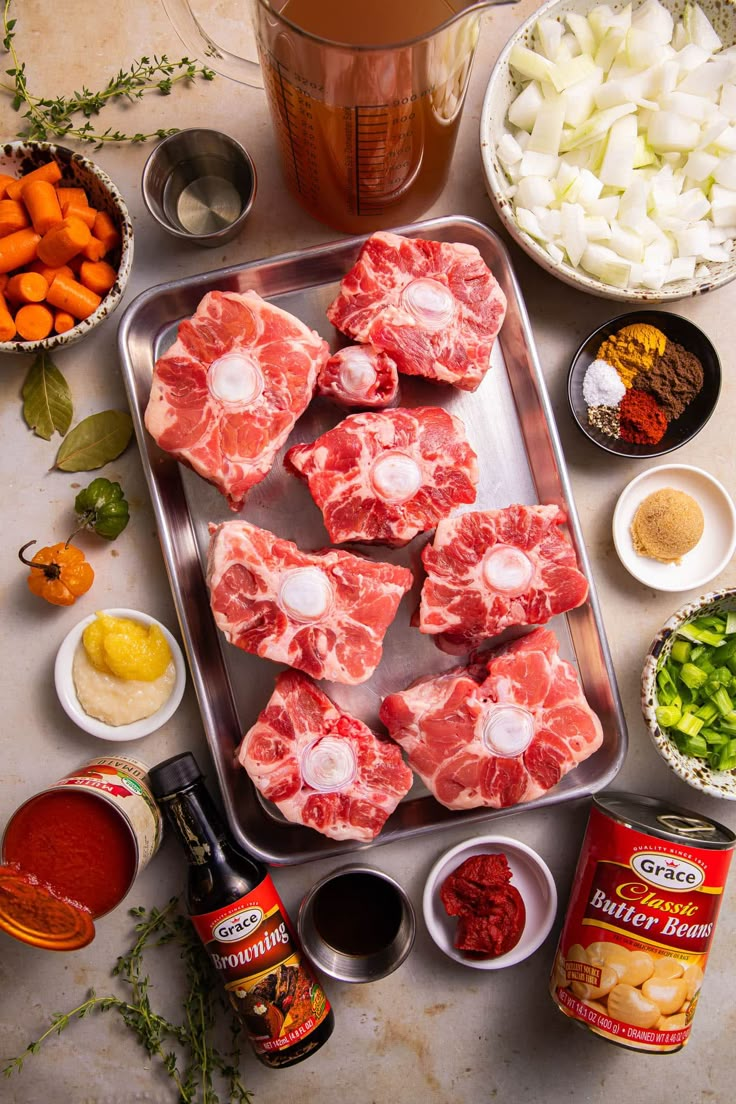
(674, 379)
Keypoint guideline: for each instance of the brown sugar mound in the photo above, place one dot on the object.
(667, 524)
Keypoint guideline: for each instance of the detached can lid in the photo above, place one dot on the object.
(33, 914)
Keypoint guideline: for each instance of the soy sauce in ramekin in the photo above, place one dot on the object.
(357, 913)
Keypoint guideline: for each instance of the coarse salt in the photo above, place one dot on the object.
(602, 385)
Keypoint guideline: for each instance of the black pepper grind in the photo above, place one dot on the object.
(239, 917)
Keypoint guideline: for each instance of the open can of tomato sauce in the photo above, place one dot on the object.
(71, 853)
(643, 908)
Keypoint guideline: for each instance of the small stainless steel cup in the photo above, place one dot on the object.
(199, 185)
(356, 967)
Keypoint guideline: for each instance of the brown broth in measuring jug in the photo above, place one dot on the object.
(366, 135)
(368, 23)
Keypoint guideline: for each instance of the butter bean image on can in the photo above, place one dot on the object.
(640, 921)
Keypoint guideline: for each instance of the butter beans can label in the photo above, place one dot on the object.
(643, 908)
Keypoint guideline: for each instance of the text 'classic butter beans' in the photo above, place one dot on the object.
(643, 908)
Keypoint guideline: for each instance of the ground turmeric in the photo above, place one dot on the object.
(633, 349)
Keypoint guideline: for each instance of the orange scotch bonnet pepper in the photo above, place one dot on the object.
(59, 573)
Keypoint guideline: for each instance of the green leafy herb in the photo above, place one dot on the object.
(95, 441)
(102, 507)
(47, 119)
(47, 400)
(199, 1069)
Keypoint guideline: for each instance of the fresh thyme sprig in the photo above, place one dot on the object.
(194, 1063)
(59, 117)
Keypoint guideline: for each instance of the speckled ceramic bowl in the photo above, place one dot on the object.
(77, 170)
(502, 89)
(693, 771)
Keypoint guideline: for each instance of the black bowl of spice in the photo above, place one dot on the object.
(644, 383)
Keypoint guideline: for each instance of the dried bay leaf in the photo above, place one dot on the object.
(47, 400)
(95, 441)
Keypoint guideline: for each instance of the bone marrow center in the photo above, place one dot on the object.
(396, 476)
(507, 569)
(508, 730)
(328, 764)
(306, 594)
(235, 378)
(357, 372)
(430, 302)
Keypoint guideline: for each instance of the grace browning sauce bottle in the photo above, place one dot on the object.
(243, 925)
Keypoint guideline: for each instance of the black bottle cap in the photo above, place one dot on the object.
(174, 774)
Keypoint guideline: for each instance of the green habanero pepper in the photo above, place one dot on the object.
(102, 507)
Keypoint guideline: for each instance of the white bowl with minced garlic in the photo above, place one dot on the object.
(131, 708)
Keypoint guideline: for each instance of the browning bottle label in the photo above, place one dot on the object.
(251, 945)
(635, 942)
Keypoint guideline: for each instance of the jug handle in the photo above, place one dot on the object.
(196, 39)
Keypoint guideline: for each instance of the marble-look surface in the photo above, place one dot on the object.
(432, 1033)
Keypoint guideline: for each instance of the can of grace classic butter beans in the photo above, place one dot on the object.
(643, 908)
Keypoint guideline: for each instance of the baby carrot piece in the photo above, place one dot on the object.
(86, 214)
(63, 322)
(4, 181)
(94, 250)
(7, 325)
(98, 276)
(34, 322)
(26, 287)
(64, 241)
(106, 230)
(18, 249)
(50, 171)
(74, 197)
(3, 281)
(48, 272)
(70, 295)
(13, 216)
(42, 205)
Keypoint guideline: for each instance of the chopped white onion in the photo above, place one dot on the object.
(622, 151)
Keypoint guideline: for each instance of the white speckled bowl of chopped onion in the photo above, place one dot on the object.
(608, 143)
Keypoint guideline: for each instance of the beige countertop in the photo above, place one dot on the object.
(431, 1032)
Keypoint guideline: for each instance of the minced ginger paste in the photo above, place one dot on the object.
(667, 525)
(123, 670)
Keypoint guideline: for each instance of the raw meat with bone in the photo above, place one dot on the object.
(320, 766)
(384, 476)
(497, 733)
(435, 307)
(323, 612)
(359, 375)
(490, 569)
(226, 395)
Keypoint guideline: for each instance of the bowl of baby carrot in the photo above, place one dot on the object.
(66, 246)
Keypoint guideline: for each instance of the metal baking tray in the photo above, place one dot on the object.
(510, 424)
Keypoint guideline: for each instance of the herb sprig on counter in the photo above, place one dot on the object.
(186, 1050)
(47, 118)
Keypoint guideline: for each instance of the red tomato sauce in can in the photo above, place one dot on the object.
(72, 852)
(75, 844)
(643, 908)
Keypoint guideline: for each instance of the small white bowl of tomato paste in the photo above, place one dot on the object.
(489, 902)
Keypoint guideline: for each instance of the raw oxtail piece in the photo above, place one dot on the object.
(320, 766)
(359, 375)
(384, 476)
(226, 395)
(499, 733)
(435, 307)
(324, 612)
(490, 569)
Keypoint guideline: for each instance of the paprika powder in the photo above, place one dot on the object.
(641, 419)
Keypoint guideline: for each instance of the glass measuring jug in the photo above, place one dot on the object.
(365, 98)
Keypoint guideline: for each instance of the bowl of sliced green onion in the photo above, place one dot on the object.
(689, 693)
